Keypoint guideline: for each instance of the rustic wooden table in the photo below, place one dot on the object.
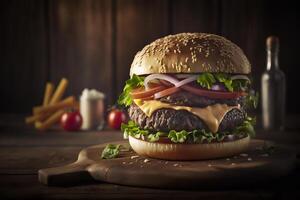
(23, 151)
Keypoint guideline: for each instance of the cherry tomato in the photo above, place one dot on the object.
(115, 118)
(71, 121)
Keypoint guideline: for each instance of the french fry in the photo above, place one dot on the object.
(54, 118)
(67, 102)
(35, 118)
(48, 93)
(59, 92)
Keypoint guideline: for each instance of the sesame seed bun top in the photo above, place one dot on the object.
(190, 53)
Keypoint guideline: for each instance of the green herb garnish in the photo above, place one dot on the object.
(268, 148)
(110, 151)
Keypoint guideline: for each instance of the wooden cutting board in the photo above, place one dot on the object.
(254, 166)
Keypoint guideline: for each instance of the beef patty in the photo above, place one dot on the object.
(170, 119)
(188, 99)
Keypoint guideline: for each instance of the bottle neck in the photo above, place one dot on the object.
(272, 60)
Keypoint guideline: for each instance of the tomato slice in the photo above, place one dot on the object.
(213, 94)
(141, 93)
(158, 91)
(208, 93)
(166, 92)
(148, 98)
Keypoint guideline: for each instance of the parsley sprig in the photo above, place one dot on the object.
(110, 151)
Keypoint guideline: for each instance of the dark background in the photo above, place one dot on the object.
(92, 42)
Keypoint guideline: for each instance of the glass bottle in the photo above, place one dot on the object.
(273, 89)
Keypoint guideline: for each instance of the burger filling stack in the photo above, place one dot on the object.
(188, 97)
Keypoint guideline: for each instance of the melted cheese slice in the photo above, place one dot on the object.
(212, 115)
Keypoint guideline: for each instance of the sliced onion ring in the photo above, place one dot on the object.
(168, 78)
(218, 87)
(187, 80)
(166, 92)
(240, 77)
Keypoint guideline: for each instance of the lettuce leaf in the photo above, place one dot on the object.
(252, 99)
(195, 136)
(240, 85)
(226, 80)
(246, 127)
(178, 136)
(125, 98)
(206, 80)
(133, 130)
(155, 137)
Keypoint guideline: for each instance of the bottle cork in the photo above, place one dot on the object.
(272, 43)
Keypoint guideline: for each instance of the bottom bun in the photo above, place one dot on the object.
(175, 151)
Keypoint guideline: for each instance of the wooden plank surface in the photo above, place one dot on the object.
(80, 44)
(195, 16)
(93, 42)
(16, 133)
(14, 187)
(24, 153)
(138, 22)
(249, 23)
(23, 54)
(242, 20)
(131, 169)
(281, 19)
(28, 160)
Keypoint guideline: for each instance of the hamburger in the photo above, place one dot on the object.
(188, 97)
